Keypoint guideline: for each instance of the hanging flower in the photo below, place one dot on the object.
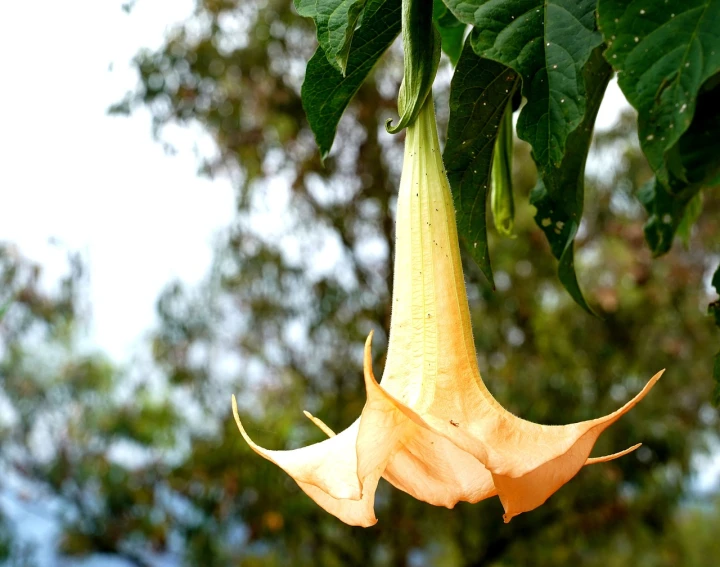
(431, 427)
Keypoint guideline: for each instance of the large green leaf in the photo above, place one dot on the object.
(335, 21)
(326, 92)
(479, 94)
(547, 42)
(663, 52)
(451, 30)
(695, 162)
(559, 193)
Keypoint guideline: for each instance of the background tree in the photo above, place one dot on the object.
(146, 460)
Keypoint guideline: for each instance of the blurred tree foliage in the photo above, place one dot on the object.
(146, 460)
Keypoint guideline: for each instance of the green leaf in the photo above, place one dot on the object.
(695, 165)
(663, 52)
(714, 310)
(452, 31)
(479, 94)
(501, 195)
(690, 216)
(558, 196)
(326, 92)
(666, 212)
(335, 21)
(421, 48)
(547, 42)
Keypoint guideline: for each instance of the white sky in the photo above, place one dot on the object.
(97, 183)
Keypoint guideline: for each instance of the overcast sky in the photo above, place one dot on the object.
(96, 183)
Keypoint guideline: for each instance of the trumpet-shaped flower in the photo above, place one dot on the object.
(431, 427)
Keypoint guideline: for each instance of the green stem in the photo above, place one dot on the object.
(421, 47)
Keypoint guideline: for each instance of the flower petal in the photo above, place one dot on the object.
(432, 469)
(352, 512)
(562, 452)
(330, 465)
(424, 464)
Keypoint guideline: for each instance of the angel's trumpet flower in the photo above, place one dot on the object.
(430, 335)
(431, 427)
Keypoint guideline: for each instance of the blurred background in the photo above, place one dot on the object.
(168, 236)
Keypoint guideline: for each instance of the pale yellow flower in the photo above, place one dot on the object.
(431, 427)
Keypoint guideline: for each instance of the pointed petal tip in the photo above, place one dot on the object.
(240, 425)
(320, 423)
(235, 412)
(367, 362)
(612, 457)
(614, 416)
(254, 446)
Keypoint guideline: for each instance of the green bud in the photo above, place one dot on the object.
(501, 196)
